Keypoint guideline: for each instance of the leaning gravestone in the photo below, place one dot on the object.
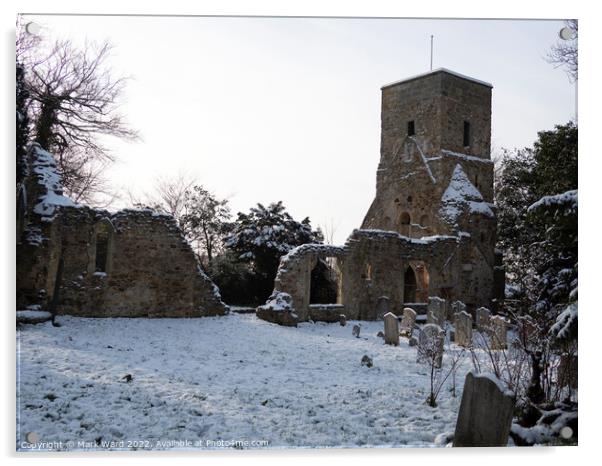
(435, 313)
(391, 329)
(463, 325)
(498, 329)
(407, 322)
(485, 413)
(483, 317)
(430, 345)
(382, 307)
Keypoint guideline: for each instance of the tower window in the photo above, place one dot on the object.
(411, 128)
(466, 134)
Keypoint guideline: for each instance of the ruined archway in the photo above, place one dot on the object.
(325, 282)
(416, 283)
(409, 286)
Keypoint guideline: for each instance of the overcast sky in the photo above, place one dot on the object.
(268, 109)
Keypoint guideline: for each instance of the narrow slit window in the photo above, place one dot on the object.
(466, 134)
(411, 128)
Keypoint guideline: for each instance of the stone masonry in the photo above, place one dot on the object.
(431, 229)
(132, 263)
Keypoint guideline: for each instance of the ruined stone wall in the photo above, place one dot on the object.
(147, 268)
(373, 264)
(150, 270)
(294, 274)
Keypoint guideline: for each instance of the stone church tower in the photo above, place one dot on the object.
(431, 229)
(435, 175)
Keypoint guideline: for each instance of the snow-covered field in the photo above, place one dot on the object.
(211, 381)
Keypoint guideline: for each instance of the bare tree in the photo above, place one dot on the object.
(206, 222)
(565, 52)
(74, 100)
(172, 193)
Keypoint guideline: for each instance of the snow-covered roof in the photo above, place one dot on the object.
(438, 70)
(461, 194)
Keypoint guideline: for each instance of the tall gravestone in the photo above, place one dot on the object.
(498, 329)
(408, 321)
(486, 412)
(436, 313)
(483, 316)
(463, 325)
(382, 307)
(430, 345)
(391, 329)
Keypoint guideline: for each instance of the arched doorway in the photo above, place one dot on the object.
(416, 283)
(409, 286)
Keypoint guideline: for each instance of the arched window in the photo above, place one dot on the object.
(404, 223)
(103, 246)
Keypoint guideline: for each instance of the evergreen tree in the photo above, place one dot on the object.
(261, 237)
(547, 169)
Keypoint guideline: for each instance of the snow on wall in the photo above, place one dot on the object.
(48, 178)
(462, 195)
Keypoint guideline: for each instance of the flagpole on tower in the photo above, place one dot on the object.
(431, 52)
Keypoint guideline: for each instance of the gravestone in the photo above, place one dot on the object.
(407, 322)
(463, 325)
(457, 307)
(435, 313)
(498, 329)
(355, 331)
(430, 345)
(483, 316)
(485, 413)
(382, 307)
(391, 329)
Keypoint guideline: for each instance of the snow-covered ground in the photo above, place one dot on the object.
(222, 379)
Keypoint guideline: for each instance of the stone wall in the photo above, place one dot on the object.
(373, 264)
(431, 229)
(144, 267)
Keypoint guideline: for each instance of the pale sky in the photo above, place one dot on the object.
(268, 109)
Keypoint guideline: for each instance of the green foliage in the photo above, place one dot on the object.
(236, 280)
(526, 175)
(262, 236)
(206, 221)
(536, 199)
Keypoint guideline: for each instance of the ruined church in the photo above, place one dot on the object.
(73, 259)
(431, 229)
